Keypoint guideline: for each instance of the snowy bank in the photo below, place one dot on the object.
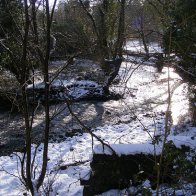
(145, 148)
(67, 89)
(128, 149)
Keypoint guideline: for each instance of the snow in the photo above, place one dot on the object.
(145, 95)
(137, 47)
(180, 141)
(145, 148)
(10, 185)
(153, 89)
(128, 149)
(74, 89)
(64, 83)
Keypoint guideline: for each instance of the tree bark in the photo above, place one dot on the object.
(24, 98)
(46, 105)
(117, 57)
(121, 31)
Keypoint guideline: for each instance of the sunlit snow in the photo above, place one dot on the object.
(146, 96)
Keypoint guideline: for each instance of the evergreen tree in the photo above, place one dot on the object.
(182, 33)
(9, 15)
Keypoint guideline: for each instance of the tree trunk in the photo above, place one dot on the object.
(121, 31)
(142, 34)
(25, 110)
(46, 82)
(114, 65)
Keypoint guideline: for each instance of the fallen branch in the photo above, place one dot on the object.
(64, 167)
(88, 130)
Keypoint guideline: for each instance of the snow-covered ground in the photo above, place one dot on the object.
(145, 103)
(138, 47)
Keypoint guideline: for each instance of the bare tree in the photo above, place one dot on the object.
(35, 46)
(110, 46)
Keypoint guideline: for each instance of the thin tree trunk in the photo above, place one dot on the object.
(24, 99)
(142, 34)
(117, 57)
(46, 82)
(121, 31)
(103, 43)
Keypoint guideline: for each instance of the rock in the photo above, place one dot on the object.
(148, 115)
(132, 164)
(2, 146)
(71, 149)
(107, 112)
(86, 77)
(162, 113)
(61, 136)
(79, 78)
(116, 80)
(114, 172)
(134, 117)
(153, 59)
